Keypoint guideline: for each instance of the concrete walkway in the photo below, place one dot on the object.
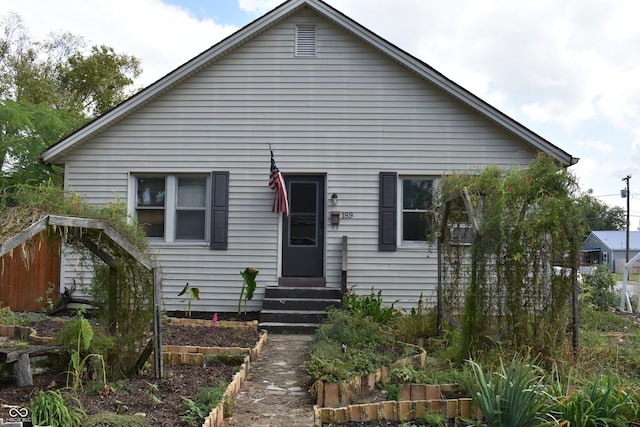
(275, 393)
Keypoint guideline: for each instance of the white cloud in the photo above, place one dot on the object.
(597, 146)
(162, 36)
(258, 6)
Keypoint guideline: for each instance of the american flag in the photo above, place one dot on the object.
(276, 182)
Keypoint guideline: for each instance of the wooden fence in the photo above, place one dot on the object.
(28, 272)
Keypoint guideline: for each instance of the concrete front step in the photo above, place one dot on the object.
(299, 303)
(292, 316)
(289, 328)
(296, 310)
(304, 293)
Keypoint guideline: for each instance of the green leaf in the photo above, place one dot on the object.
(184, 290)
(249, 276)
(86, 333)
(194, 293)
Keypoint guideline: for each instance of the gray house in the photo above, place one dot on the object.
(360, 130)
(610, 247)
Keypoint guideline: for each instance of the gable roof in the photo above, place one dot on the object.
(56, 152)
(615, 240)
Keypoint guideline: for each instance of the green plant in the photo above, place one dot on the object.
(79, 334)
(434, 420)
(418, 324)
(514, 396)
(249, 284)
(598, 288)
(192, 293)
(49, 302)
(8, 317)
(369, 306)
(346, 345)
(393, 391)
(209, 397)
(602, 402)
(109, 419)
(404, 374)
(51, 407)
(150, 391)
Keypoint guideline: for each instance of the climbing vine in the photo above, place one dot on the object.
(501, 235)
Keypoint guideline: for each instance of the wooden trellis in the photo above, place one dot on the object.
(88, 231)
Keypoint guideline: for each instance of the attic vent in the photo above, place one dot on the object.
(305, 40)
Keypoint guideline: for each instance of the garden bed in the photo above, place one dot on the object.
(161, 400)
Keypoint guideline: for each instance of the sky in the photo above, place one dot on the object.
(568, 70)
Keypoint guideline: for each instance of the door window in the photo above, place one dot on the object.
(303, 215)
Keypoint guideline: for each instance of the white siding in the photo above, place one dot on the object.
(349, 113)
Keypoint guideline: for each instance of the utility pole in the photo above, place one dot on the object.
(628, 196)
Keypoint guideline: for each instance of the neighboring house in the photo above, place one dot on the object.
(610, 247)
(346, 114)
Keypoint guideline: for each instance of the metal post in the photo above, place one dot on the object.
(627, 178)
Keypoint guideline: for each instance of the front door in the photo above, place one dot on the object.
(303, 231)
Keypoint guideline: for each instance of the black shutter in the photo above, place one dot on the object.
(219, 210)
(388, 211)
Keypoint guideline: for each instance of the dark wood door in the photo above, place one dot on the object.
(303, 231)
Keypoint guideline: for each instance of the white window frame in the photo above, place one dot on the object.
(400, 231)
(170, 207)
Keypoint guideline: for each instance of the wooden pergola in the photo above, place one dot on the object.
(88, 231)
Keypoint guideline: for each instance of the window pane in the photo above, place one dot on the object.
(190, 225)
(416, 226)
(302, 229)
(417, 193)
(191, 192)
(303, 197)
(152, 221)
(150, 192)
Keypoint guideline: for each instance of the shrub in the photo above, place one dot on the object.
(420, 323)
(369, 306)
(598, 288)
(346, 345)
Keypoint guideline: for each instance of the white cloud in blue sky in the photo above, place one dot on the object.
(569, 71)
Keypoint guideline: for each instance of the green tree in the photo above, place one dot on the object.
(48, 89)
(598, 215)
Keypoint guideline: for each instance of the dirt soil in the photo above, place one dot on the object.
(160, 399)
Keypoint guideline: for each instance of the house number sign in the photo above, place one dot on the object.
(346, 215)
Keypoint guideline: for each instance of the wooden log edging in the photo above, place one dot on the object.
(343, 393)
(194, 355)
(216, 415)
(402, 410)
(23, 333)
